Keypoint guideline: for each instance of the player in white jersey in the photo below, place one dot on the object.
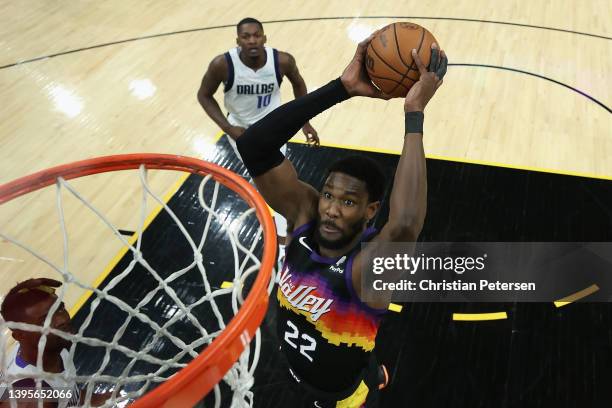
(30, 302)
(252, 75)
(250, 95)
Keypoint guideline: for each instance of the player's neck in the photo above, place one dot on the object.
(52, 363)
(336, 253)
(253, 63)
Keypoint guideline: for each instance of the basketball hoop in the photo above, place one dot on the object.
(197, 378)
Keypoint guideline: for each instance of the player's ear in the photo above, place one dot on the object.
(372, 209)
(238, 41)
(265, 39)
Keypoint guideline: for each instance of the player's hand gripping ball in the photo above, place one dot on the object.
(389, 57)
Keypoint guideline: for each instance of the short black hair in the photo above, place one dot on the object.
(248, 20)
(364, 169)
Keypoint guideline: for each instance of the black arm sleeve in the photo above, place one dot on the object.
(259, 145)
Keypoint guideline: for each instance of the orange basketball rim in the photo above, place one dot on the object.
(193, 382)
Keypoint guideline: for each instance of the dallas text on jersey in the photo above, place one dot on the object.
(254, 89)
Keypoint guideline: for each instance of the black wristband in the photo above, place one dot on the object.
(414, 122)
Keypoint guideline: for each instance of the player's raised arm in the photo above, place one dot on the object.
(408, 202)
(259, 146)
(275, 176)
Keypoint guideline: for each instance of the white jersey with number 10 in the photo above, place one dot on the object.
(250, 95)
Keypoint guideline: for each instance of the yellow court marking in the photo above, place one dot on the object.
(510, 166)
(576, 296)
(395, 308)
(226, 285)
(473, 317)
(457, 160)
(113, 263)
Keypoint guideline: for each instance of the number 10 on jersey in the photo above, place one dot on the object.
(263, 100)
(291, 337)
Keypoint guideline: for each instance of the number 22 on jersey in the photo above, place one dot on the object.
(292, 337)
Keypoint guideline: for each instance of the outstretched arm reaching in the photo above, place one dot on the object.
(259, 146)
(408, 202)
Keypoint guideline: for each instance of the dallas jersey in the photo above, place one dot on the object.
(326, 332)
(16, 366)
(250, 95)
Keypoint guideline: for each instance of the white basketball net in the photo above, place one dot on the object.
(239, 377)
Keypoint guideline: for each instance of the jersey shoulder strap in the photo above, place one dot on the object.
(279, 76)
(230, 73)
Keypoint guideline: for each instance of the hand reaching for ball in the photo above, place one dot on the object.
(355, 78)
(357, 82)
(429, 81)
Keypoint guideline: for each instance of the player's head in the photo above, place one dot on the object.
(349, 199)
(251, 37)
(30, 302)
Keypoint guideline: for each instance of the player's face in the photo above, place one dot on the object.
(251, 40)
(37, 314)
(344, 211)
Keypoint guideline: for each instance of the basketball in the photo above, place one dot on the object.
(389, 57)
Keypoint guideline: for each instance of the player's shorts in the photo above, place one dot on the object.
(364, 394)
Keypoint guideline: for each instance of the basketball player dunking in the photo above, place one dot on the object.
(327, 332)
(252, 75)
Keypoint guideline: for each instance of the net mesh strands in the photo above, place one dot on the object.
(149, 345)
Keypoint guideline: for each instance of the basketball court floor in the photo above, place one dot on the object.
(519, 142)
